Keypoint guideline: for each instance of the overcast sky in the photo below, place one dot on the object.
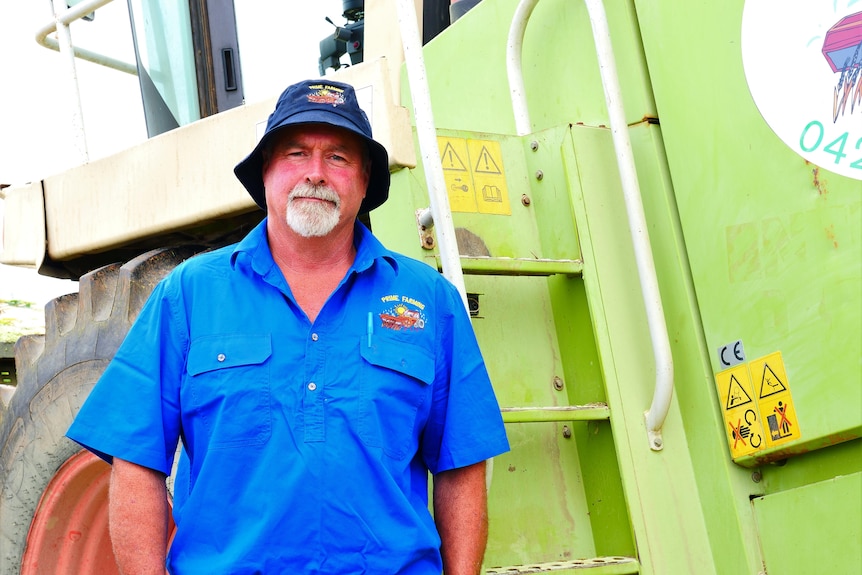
(278, 45)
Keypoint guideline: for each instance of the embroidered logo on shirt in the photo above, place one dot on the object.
(326, 94)
(404, 313)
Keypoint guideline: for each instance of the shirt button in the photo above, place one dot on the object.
(312, 386)
(314, 337)
(220, 357)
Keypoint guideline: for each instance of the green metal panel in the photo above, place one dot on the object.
(622, 499)
(723, 488)
(573, 331)
(821, 465)
(541, 498)
(559, 62)
(775, 243)
(813, 529)
(562, 492)
(671, 523)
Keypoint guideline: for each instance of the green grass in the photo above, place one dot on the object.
(11, 329)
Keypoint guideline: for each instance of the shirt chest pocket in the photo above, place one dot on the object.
(228, 376)
(395, 379)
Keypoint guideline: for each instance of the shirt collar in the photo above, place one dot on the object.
(369, 249)
(253, 250)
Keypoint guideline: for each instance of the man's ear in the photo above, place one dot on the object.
(368, 162)
(265, 155)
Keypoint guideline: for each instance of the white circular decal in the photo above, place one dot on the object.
(802, 61)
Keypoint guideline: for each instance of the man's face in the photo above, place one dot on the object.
(315, 176)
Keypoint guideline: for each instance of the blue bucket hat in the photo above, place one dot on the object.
(318, 102)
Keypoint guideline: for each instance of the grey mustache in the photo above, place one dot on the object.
(315, 192)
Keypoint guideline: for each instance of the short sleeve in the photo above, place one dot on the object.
(465, 425)
(133, 411)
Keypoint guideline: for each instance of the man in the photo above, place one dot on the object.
(313, 377)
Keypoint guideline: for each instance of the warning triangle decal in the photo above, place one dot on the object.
(486, 164)
(770, 384)
(736, 394)
(450, 160)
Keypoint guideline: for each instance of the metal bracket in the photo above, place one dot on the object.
(424, 223)
(656, 443)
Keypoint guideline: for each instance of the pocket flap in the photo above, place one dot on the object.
(222, 351)
(400, 356)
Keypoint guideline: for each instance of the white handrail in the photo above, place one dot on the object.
(514, 46)
(64, 17)
(65, 47)
(427, 135)
(660, 341)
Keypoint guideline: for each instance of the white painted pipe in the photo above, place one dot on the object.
(81, 9)
(66, 17)
(662, 355)
(427, 135)
(64, 38)
(514, 47)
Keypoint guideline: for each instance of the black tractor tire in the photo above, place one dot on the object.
(55, 374)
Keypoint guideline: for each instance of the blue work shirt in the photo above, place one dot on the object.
(309, 444)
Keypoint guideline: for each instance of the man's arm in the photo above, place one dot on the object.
(137, 514)
(461, 514)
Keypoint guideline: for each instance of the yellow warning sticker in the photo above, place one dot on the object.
(774, 400)
(456, 174)
(742, 423)
(756, 404)
(474, 175)
(488, 177)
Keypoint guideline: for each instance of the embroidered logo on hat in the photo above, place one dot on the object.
(326, 94)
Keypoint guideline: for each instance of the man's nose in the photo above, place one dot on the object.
(316, 170)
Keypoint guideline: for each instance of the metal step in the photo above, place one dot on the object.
(482, 265)
(595, 566)
(586, 412)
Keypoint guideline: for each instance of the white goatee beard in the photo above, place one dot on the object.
(313, 219)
